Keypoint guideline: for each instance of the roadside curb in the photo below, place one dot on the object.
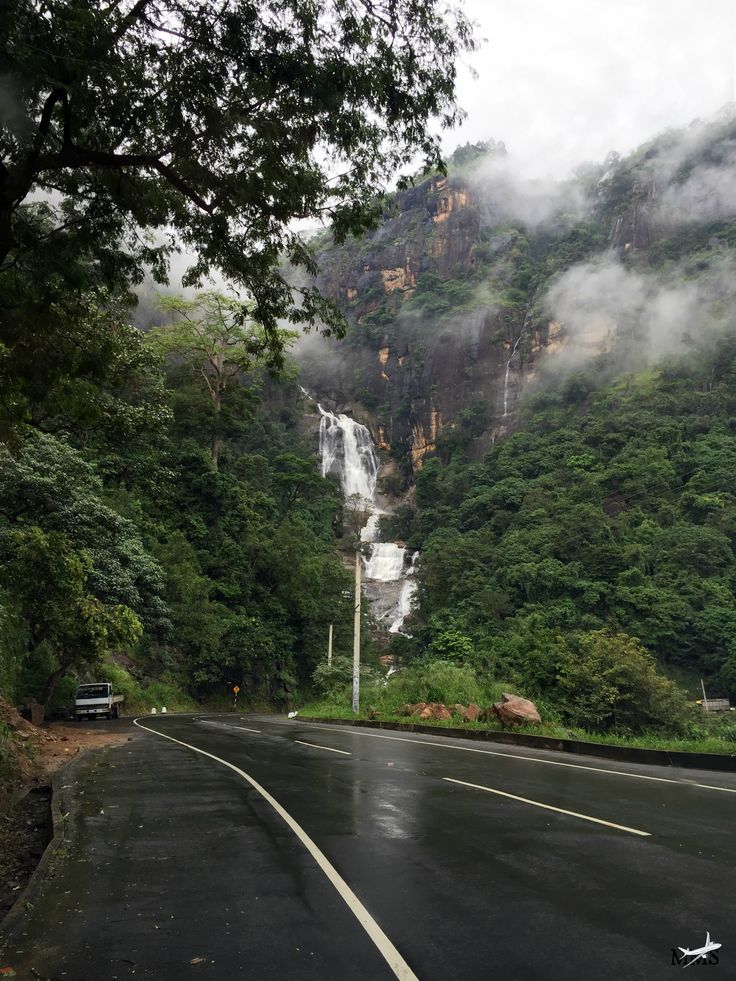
(625, 754)
(29, 893)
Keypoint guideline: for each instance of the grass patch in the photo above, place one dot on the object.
(721, 739)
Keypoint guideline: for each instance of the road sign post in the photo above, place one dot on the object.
(236, 689)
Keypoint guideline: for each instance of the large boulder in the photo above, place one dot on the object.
(513, 710)
(435, 710)
(468, 713)
(471, 713)
(412, 709)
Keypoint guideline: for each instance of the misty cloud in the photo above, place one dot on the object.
(568, 81)
(708, 194)
(508, 193)
(638, 317)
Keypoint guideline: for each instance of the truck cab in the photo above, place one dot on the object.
(96, 700)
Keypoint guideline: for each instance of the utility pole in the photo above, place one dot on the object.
(705, 700)
(356, 636)
(329, 648)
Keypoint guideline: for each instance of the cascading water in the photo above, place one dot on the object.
(522, 331)
(347, 446)
(386, 563)
(406, 598)
(506, 378)
(347, 449)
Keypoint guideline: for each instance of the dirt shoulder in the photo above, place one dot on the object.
(29, 756)
(69, 740)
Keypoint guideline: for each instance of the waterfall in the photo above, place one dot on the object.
(506, 378)
(347, 449)
(522, 330)
(406, 598)
(386, 563)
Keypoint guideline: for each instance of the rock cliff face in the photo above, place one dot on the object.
(427, 339)
(433, 227)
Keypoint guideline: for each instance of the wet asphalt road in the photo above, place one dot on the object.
(174, 866)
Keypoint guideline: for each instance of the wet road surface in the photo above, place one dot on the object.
(253, 847)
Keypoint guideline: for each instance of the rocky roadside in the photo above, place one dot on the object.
(29, 756)
(511, 711)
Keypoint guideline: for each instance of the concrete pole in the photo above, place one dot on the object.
(356, 637)
(329, 647)
(705, 700)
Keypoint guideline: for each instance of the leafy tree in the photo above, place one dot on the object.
(49, 484)
(451, 645)
(357, 512)
(223, 121)
(217, 338)
(51, 580)
(331, 680)
(13, 643)
(71, 363)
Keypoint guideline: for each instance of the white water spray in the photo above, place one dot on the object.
(386, 563)
(347, 446)
(406, 598)
(506, 378)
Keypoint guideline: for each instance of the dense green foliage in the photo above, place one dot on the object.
(200, 576)
(613, 508)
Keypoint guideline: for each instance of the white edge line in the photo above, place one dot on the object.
(387, 950)
(514, 756)
(328, 748)
(224, 725)
(707, 786)
(549, 807)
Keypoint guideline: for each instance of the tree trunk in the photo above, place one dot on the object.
(215, 451)
(48, 688)
(216, 445)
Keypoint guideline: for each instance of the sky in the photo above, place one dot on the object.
(566, 81)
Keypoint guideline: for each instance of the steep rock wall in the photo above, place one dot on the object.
(414, 361)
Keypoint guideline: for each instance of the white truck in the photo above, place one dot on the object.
(92, 701)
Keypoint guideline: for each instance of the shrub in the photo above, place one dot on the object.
(164, 693)
(451, 645)
(432, 681)
(331, 680)
(611, 682)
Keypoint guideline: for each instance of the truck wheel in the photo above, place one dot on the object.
(116, 713)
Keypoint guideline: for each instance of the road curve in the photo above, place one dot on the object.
(253, 847)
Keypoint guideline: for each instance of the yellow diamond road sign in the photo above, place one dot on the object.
(236, 689)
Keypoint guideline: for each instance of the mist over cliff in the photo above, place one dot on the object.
(483, 284)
